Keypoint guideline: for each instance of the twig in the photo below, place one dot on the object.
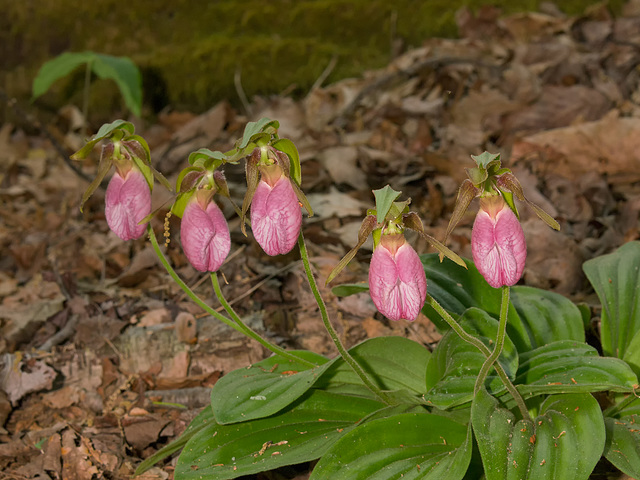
(63, 334)
(237, 82)
(31, 120)
(325, 73)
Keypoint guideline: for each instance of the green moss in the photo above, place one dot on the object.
(195, 52)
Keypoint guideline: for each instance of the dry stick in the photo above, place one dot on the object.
(237, 82)
(31, 120)
(485, 351)
(325, 73)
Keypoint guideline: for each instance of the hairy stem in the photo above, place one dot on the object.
(236, 323)
(332, 333)
(455, 326)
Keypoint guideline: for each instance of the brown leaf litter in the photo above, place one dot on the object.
(104, 360)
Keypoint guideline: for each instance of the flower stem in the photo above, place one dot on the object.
(497, 349)
(332, 333)
(235, 324)
(247, 331)
(455, 326)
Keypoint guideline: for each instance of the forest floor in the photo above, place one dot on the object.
(105, 360)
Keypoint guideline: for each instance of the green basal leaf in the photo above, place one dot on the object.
(616, 280)
(457, 289)
(632, 355)
(485, 159)
(264, 388)
(544, 317)
(455, 364)
(347, 289)
(254, 128)
(564, 442)
(384, 200)
(303, 431)
(416, 445)
(393, 364)
(287, 146)
(201, 421)
(536, 317)
(571, 367)
(622, 448)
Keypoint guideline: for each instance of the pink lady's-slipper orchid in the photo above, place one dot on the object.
(497, 243)
(127, 202)
(497, 240)
(276, 215)
(397, 282)
(204, 234)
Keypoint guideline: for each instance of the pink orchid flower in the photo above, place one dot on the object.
(205, 236)
(276, 215)
(497, 243)
(127, 202)
(397, 281)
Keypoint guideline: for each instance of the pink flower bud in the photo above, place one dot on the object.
(397, 282)
(205, 236)
(497, 243)
(127, 202)
(275, 215)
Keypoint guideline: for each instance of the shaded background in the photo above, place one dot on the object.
(189, 51)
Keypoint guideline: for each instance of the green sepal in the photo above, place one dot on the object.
(207, 158)
(486, 160)
(103, 168)
(181, 202)
(412, 220)
(384, 200)
(106, 130)
(188, 178)
(368, 225)
(508, 198)
(144, 169)
(477, 175)
(265, 125)
(287, 146)
(466, 193)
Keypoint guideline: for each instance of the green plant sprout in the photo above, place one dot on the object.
(121, 70)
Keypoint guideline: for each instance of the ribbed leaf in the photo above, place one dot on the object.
(616, 279)
(454, 365)
(264, 388)
(408, 446)
(564, 442)
(394, 363)
(301, 432)
(536, 317)
(623, 439)
(571, 367)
